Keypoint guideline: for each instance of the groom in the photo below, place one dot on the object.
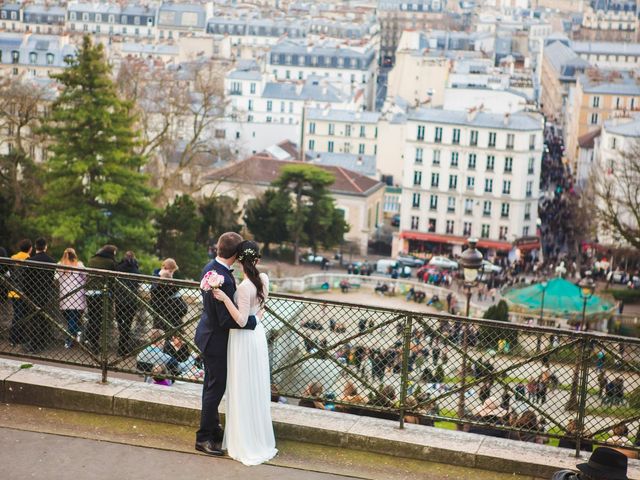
(211, 338)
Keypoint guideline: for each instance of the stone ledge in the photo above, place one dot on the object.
(69, 389)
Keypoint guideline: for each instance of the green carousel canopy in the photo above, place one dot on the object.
(561, 297)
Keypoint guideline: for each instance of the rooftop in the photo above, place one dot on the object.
(515, 121)
(264, 170)
(342, 115)
(613, 82)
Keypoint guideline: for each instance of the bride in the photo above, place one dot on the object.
(248, 433)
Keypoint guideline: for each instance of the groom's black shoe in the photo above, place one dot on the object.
(210, 448)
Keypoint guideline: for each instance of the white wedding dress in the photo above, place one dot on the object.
(248, 432)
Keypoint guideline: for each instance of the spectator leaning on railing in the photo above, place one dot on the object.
(17, 333)
(104, 259)
(73, 302)
(126, 301)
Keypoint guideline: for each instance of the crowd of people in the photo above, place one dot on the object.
(70, 295)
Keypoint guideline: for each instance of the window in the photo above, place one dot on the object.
(468, 206)
(432, 225)
(252, 88)
(595, 102)
(456, 136)
(269, 106)
(451, 204)
(529, 188)
(220, 133)
(486, 208)
(49, 58)
(416, 200)
(532, 141)
(312, 127)
(473, 138)
(249, 118)
(492, 139)
(281, 107)
(484, 233)
(236, 88)
(85, 17)
(15, 56)
(504, 210)
(508, 164)
(471, 183)
(330, 146)
(438, 135)
(503, 233)
(612, 143)
(269, 119)
(471, 164)
(33, 57)
(594, 119)
(527, 211)
(417, 178)
(72, 15)
(466, 229)
(488, 185)
(525, 231)
(347, 130)
(112, 19)
(510, 141)
(433, 202)
(453, 182)
(449, 228)
(491, 160)
(436, 157)
(454, 159)
(530, 165)
(435, 179)
(420, 132)
(415, 223)
(312, 145)
(362, 131)
(506, 187)
(332, 129)
(419, 153)
(361, 149)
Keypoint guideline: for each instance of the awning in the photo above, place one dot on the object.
(527, 243)
(454, 240)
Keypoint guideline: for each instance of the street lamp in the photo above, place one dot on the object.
(587, 289)
(543, 285)
(471, 262)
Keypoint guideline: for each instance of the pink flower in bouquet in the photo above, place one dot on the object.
(211, 280)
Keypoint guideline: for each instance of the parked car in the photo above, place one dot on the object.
(443, 262)
(489, 267)
(410, 261)
(317, 259)
(395, 220)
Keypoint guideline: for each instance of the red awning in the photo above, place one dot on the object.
(527, 243)
(454, 240)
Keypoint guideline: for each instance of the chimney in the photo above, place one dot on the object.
(359, 160)
(471, 113)
(506, 119)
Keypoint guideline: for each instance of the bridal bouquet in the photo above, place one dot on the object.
(211, 280)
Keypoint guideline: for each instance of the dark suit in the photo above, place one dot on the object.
(211, 338)
(39, 287)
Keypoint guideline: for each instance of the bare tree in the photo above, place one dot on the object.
(180, 110)
(22, 106)
(616, 189)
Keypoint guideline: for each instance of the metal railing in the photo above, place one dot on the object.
(498, 378)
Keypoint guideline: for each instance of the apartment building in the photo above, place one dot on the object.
(469, 174)
(11, 17)
(35, 56)
(43, 18)
(598, 96)
(614, 21)
(348, 69)
(112, 19)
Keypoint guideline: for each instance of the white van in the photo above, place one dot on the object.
(385, 266)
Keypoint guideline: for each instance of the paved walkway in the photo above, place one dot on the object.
(32, 455)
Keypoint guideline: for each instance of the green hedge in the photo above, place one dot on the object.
(626, 295)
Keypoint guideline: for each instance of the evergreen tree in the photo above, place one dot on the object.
(219, 214)
(95, 192)
(325, 225)
(266, 217)
(307, 184)
(178, 228)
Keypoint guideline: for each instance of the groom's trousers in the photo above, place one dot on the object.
(215, 381)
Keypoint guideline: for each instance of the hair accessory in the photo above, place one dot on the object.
(248, 254)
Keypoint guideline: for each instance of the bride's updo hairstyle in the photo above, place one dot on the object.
(248, 255)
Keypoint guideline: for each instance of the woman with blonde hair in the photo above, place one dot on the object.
(73, 302)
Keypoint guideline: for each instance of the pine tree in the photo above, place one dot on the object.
(266, 217)
(307, 184)
(95, 191)
(219, 214)
(178, 227)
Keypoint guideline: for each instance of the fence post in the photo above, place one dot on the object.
(404, 379)
(583, 391)
(104, 330)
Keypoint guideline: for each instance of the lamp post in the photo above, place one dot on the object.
(543, 285)
(471, 262)
(587, 289)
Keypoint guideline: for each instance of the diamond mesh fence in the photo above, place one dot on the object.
(522, 382)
